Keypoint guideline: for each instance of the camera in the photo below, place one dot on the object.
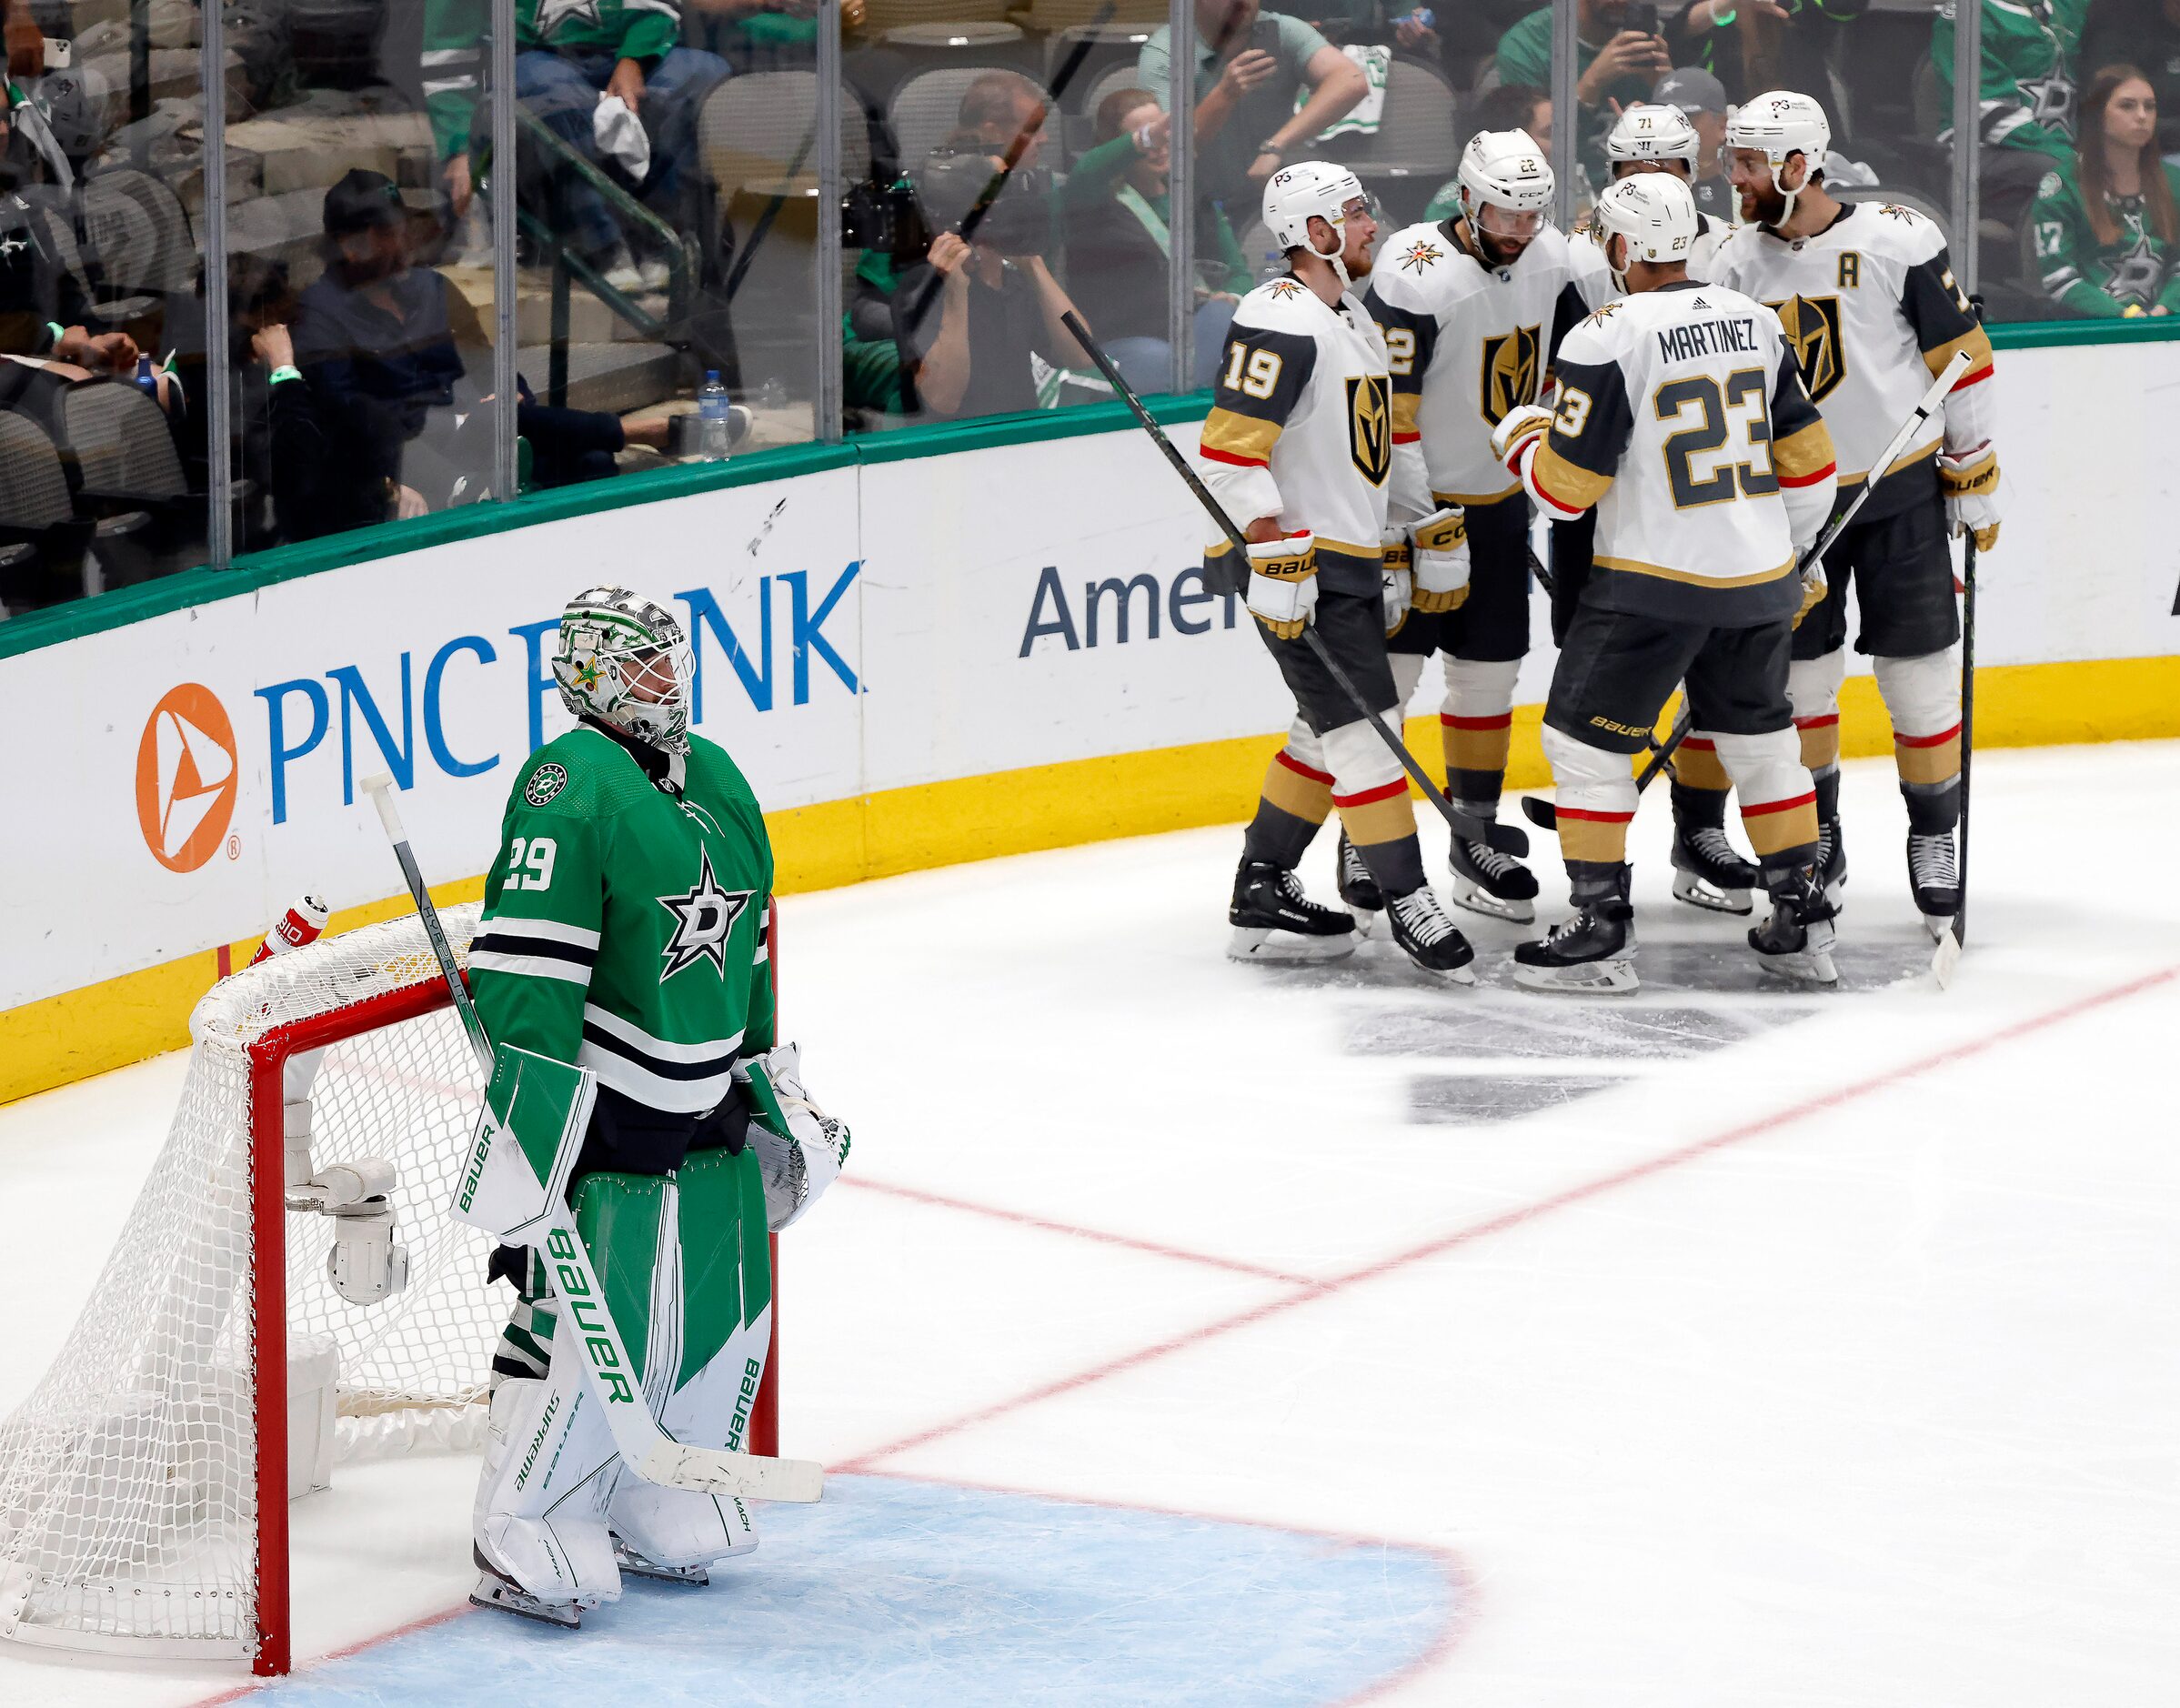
(960, 190)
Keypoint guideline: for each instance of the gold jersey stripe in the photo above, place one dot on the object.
(1466, 498)
(1371, 822)
(1911, 457)
(1404, 406)
(1775, 832)
(1975, 341)
(1699, 768)
(1293, 793)
(1631, 566)
(1803, 453)
(1938, 763)
(1575, 488)
(1239, 435)
(1476, 749)
(1583, 839)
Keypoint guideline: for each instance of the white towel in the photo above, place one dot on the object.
(620, 135)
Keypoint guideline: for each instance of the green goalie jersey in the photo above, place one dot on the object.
(625, 923)
(2026, 92)
(2102, 280)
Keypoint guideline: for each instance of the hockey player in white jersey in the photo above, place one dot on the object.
(1868, 299)
(1683, 420)
(1471, 309)
(1297, 449)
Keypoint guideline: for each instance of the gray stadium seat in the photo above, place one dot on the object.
(926, 108)
(1120, 76)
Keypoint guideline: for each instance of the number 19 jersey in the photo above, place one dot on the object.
(1682, 417)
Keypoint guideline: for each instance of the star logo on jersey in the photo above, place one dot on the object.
(2050, 99)
(552, 14)
(1813, 325)
(1604, 312)
(1421, 253)
(1509, 372)
(704, 917)
(1284, 289)
(2136, 272)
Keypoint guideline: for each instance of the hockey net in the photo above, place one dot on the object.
(143, 1484)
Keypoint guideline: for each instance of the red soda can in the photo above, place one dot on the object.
(299, 925)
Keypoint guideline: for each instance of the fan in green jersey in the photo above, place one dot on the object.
(2108, 229)
(626, 930)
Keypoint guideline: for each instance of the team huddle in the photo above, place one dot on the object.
(1692, 408)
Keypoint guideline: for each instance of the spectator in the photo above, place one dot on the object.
(1616, 67)
(2145, 32)
(1120, 245)
(2106, 228)
(1510, 107)
(568, 58)
(1703, 99)
(2027, 95)
(1251, 66)
(974, 311)
(43, 304)
(1756, 45)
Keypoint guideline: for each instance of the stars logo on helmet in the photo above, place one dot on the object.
(587, 675)
(1421, 253)
(704, 917)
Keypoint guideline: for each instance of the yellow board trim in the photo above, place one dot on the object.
(108, 1025)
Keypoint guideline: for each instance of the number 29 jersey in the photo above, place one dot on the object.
(1684, 419)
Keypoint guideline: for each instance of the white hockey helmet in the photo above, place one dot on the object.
(1656, 212)
(1506, 169)
(1306, 190)
(1643, 132)
(625, 662)
(1779, 125)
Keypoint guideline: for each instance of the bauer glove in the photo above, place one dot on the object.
(1399, 570)
(1518, 429)
(1283, 583)
(1971, 482)
(1814, 588)
(1442, 560)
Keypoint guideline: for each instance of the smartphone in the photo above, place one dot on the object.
(59, 54)
(1642, 16)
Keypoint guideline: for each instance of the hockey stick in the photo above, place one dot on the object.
(1947, 955)
(1506, 838)
(1542, 814)
(645, 1448)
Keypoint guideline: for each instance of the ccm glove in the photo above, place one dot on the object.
(1400, 577)
(1971, 482)
(1442, 560)
(1814, 588)
(1283, 583)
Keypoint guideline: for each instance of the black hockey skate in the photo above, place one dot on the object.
(1490, 883)
(1832, 862)
(1935, 875)
(1590, 953)
(632, 1564)
(1429, 937)
(1708, 870)
(1795, 942)
(1274, 920)
(495, 1589)
(1358, 890)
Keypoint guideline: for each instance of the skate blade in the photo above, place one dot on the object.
(1946, 960)
(1612, 976)
(1807, 966)
(1476, 898)
(1464, 974)
(1939, 926)
(1699, 892)
(1364, 918)
(633, 1564)
(491, 1592)
(1260, 943)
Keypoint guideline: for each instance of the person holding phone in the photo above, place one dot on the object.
(1620, 52)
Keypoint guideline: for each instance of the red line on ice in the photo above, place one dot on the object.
(1507, 1219)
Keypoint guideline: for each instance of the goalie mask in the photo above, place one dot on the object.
(625, 661)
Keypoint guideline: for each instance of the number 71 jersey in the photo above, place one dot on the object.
(1681, 418)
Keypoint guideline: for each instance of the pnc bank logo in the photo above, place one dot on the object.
(185, 778)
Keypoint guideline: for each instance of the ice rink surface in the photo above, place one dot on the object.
(1191, 1332)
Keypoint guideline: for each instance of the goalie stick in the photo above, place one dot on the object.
(1506, 838)
(1545, 815)
(645, 1448)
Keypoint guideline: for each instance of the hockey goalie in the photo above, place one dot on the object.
(624, 953)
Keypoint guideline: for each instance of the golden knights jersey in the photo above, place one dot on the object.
(1873, 312)
(1681, 415)
(1301, 427)
(1467, 344)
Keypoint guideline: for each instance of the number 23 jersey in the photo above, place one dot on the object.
(624, 927)
(1682, 418)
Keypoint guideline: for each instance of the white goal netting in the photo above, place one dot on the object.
(128, 1480)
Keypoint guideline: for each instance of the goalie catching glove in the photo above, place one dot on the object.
(800, 1148)
(1442, 560)
(1971, 482)
(1283, 583)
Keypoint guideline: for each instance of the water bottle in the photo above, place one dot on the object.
(715, 425)
(301, 924)
(147, 382)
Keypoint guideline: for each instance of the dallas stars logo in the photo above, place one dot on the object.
(12, 245)
(2050, 99)
(552, 14)
(1421, 253)
(2136, 272)
(704, 918)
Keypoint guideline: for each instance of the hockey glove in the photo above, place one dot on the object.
(801, 1163)
(1283, 583)
(1400, 577)
(1814, 588)
(1971, 482)
(1518, 429)
(1442, 560)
